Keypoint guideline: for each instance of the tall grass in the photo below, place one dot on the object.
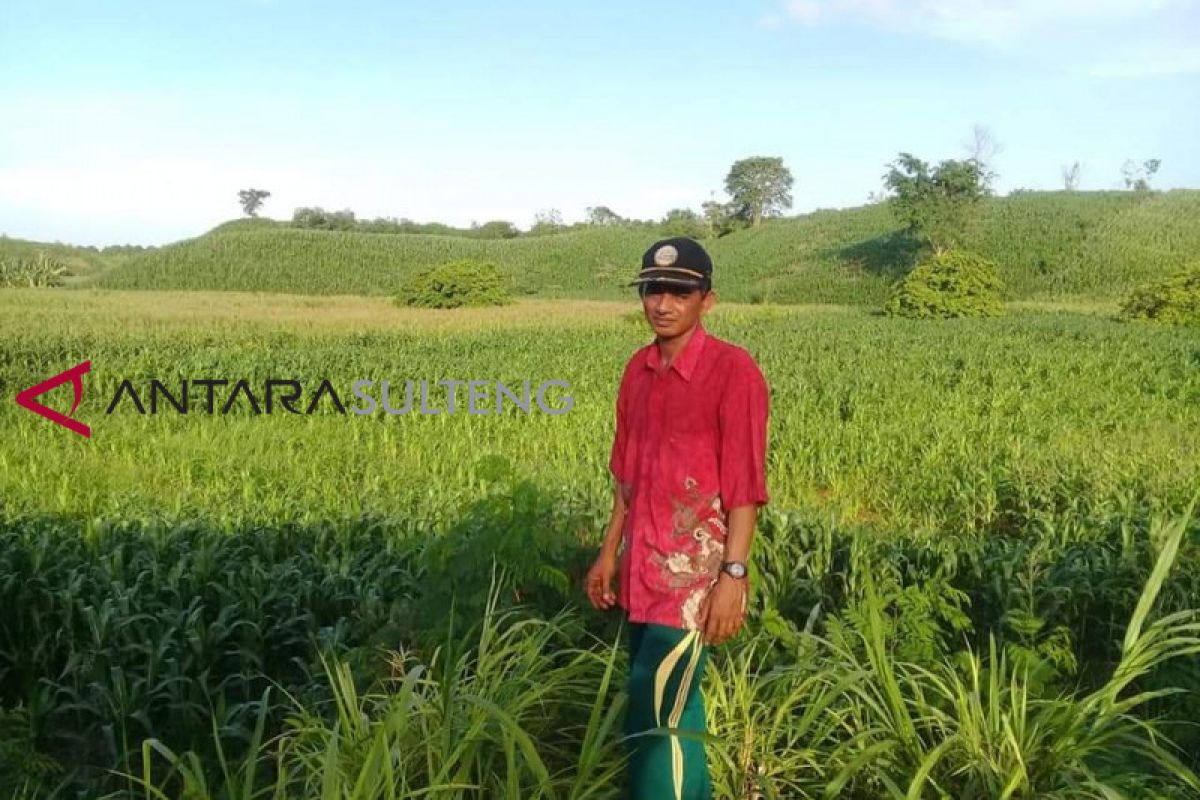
(507, 711)
(850, 674)
(979, 726)
(510, 709)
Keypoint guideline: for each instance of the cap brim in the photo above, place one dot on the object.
(690, 282)
(667, 275)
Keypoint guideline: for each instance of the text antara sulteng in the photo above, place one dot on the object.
(450, 396)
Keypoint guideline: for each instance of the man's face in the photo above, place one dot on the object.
(672, 309)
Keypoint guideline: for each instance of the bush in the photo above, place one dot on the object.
(496, 229)
(321, 219)
(1172, 301)
(458, 283)
(954, 283)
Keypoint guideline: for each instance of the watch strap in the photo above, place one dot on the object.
(744, 569)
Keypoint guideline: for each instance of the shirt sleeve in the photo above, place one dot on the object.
(616, 460)
(743, 422)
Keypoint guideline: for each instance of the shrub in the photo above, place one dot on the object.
(954, 283)
(496, 229)
(1172, 301)
(455, 284)
(321, 219)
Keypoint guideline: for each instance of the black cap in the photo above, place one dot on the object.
(677, 260)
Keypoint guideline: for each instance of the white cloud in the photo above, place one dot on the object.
(770, 22)
(1149, 62)
(994, 22)
(806, 11)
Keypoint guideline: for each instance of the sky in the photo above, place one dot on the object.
(138, 122)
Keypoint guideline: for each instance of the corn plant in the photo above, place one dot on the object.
(40, 270)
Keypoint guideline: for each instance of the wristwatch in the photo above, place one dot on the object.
(734, 569)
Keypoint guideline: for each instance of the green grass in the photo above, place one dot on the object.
(1046, 244)
(935, 487)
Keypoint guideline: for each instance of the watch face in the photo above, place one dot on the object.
(736, 570)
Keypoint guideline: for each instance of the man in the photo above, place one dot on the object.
(689, 460)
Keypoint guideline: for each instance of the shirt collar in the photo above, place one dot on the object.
(684, 362)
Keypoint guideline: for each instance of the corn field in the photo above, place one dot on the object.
(1046, 245)
(976, 576)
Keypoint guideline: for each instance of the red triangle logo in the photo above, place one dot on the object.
(75, 376)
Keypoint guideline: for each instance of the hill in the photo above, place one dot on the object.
(79, 261)
(1047, 244)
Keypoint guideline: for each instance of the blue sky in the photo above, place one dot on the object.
(139, 122)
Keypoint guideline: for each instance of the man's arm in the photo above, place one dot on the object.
(740, 535)
(743, 422)
(600, 576)
(612, 535)
(723, 608)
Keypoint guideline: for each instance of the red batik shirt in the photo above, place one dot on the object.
(690, 445)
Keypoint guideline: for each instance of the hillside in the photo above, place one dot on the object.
(1047, 244)
(79, 261)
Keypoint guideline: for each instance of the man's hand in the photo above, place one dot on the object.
(599, 580)
(723, 609)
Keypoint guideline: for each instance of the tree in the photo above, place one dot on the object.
(496, 229)
(722, 218)
(714, 217)
(1137, 176)
(603, 215)
(713, 214)
(760, 187)
(682, 222)
(319, 218)
(1070, 176)
(939, 205)
(252, 200)
(983, 148)
(547, 221)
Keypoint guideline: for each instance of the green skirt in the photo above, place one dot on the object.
(665, 669)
